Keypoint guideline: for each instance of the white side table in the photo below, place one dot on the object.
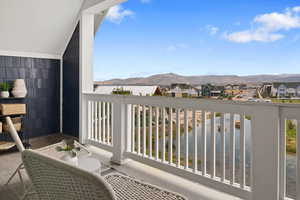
(89, 164)
(84, 160)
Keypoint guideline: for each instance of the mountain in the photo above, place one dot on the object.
(167, 79)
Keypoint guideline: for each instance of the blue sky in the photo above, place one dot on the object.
(198, 37)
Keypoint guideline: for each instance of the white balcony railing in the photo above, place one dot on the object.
(238, 148)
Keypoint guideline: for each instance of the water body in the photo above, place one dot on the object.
(291, 159)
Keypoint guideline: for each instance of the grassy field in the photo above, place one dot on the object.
(286, 101)
(291, 145)
(291, 127)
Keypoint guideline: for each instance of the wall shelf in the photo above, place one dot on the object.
(5, 137)
(14, 115)
(12, 98)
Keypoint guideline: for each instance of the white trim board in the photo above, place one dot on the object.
(29, 54)
(100, 7)
(61, 96)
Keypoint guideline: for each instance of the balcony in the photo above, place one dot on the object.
(211, 150)
(236, 148)
(203, 149)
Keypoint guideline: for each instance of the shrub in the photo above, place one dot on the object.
(4, 86)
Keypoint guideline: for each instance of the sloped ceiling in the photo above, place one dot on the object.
(38, 26)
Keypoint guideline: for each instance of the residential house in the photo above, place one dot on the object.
(199, 88)
(206, 90)
(210, 90)
(136, 90)
(285, 89)
(266, 89)
(183, 90)
(234, 89)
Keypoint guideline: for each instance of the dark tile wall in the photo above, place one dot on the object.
(42, 77)
(71, 86)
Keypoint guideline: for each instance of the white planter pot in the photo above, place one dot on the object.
(4, 94)
(19, 89)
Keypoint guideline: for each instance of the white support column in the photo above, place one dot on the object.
(265, 157)
(86, 52)
(85, 70)
(119, 134)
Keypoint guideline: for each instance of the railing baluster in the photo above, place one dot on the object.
(213, 145)
(139, 129)
(108, 122)
(298, 160)
(144, 130)
(178, 136)
(93, 120)
(195, 133)
(170, 135)
(156, 133)
(150, 131)
(103, 122)
(89, 120)
(232, 148)
(223, 137)
(186, 134)
(112, 105)
(164, 134)
(203, 152)
(133, 128)
(96, 121)
(242, 151)
(99, 122)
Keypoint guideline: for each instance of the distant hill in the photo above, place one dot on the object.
(167, 79)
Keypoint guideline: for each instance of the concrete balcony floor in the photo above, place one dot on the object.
(189, 189)
(154, 176)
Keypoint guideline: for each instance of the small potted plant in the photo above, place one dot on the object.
(71, 151)
(4, 87)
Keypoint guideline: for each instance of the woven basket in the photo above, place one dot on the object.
(16, 120)
(6, 145)
(13, 109)
(18, 127)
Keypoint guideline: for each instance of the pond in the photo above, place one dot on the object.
(291, 159)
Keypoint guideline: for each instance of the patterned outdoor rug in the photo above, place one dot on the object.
(127, 187)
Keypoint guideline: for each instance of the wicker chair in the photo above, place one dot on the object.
(54, 179)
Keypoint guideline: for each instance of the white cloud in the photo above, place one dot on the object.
(278, 21)
(256, 35)
(212, 30)
(175, 47)
(145, 1)
(268, 27)
(296, 9)
(117, 13)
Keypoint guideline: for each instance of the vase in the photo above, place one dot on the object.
(19, 89)
(4, 94)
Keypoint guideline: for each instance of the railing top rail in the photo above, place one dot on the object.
(290, 113)
(187, 103)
